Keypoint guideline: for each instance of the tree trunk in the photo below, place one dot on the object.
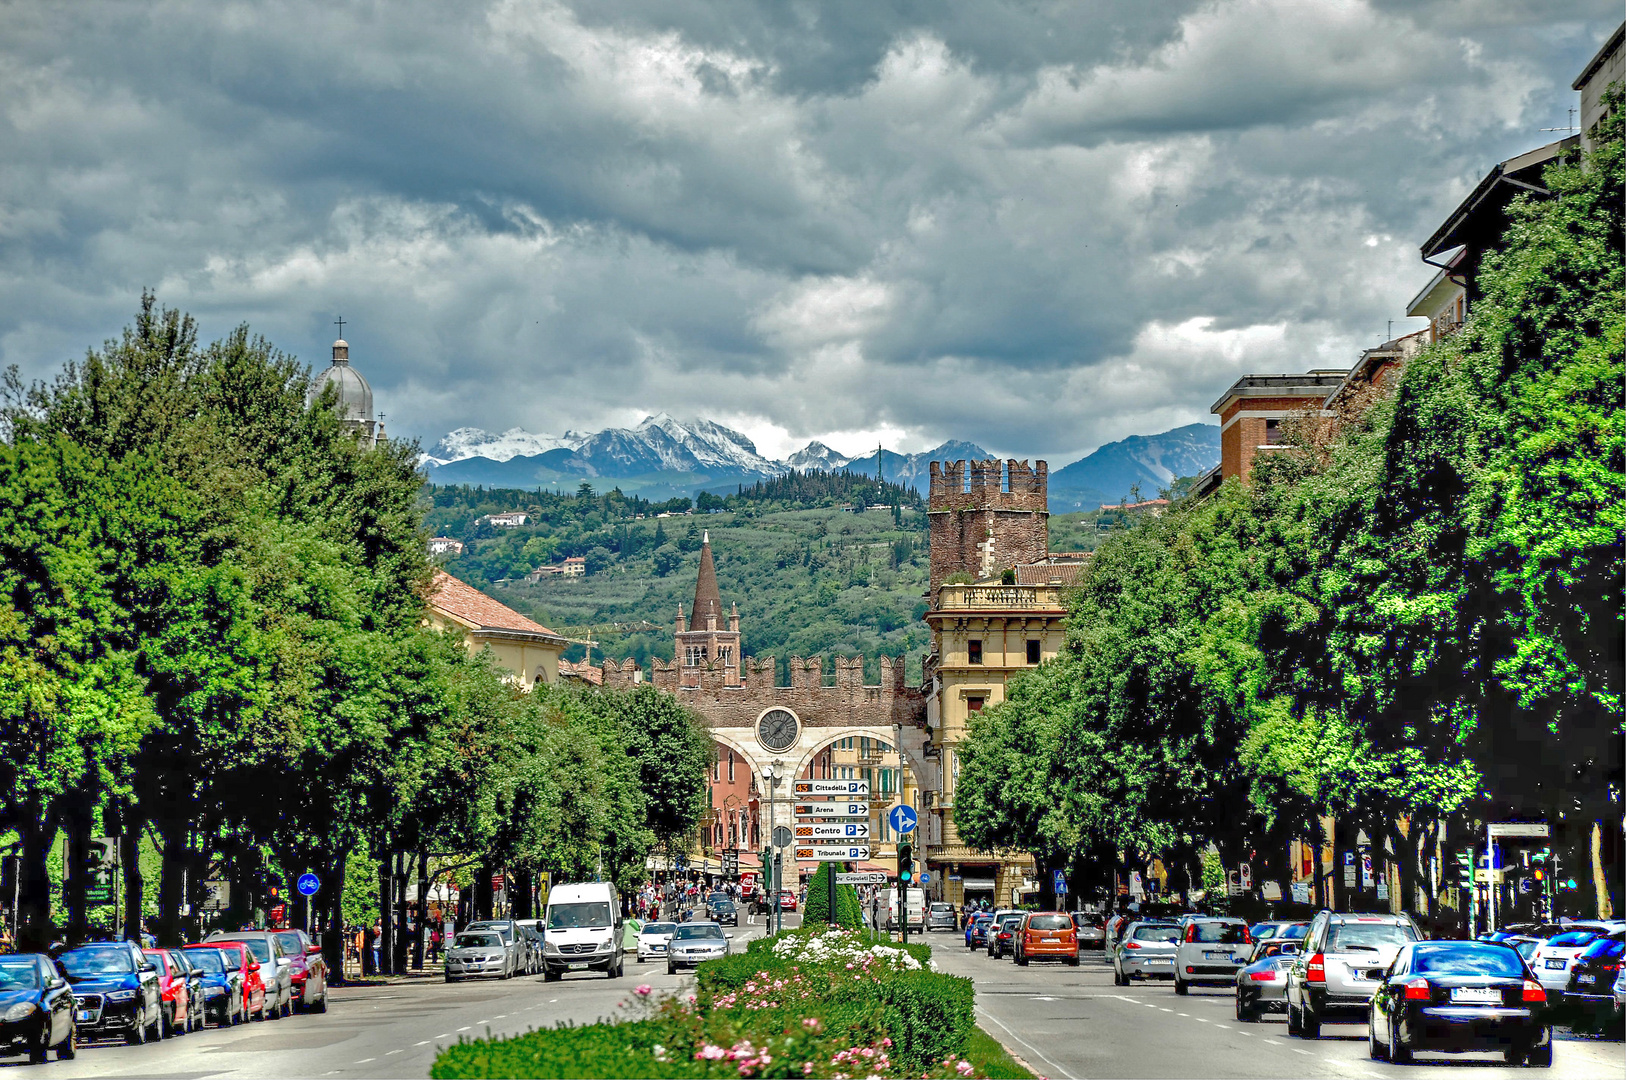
(135, 899)
(171, 879)
(482, 894)
(35, 930)
(1600, 880)
(75, 874)
(1323, 886)
(520, 891)
(402, 931)
(333, 928)
(423, 909)
(386, 924)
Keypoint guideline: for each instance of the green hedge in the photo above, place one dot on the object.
(803, 999)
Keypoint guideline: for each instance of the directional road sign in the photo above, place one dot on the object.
(865, 878)
(835, 830)
(831, 809)
(308, 884)
(902, 818)
(837, 788)
(831, 853)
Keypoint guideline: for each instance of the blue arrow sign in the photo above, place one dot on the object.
(902, 819)
(308, 884)
(1061, 883)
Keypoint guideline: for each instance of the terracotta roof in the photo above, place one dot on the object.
(584, 671)
(470, 605)
(1044, 573)
(707, 600)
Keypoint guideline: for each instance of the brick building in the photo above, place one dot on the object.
(1252, 410)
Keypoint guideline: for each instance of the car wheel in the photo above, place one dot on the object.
(166, 1026)
(1119, 978)
(1310, 1024)
(70, 1046)
(40, 1049)
(1243, 1012)
(1180, 987)
(1541, 1057)
(136, 1035)
(321, 1003)
(671, 969)
(1399, 1052)
(156, 1031)
(1292, 1019)
(1374, 1049)
(552, 976)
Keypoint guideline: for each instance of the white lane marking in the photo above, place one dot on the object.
(1199, 1020)
(477, 1023)
(1227, 1027)
(1044, 999)
(387, 1053)
(1160, 1008)
(364, 1061)
(424, 1043)
(1036, 1051)
(552, 1000)
(444, 1035)
(1249, 1034)
(465, 1027)
(1273, 1042)
(1306, 1053)
(1186, 1015)
(500, 1016)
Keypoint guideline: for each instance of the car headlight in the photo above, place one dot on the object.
(122, 995)
(213, 991)
(550, 947)
(20, 1011)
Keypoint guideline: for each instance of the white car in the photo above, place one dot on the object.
(654, 939)
(1553, 958)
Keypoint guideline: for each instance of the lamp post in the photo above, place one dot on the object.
(770, 773)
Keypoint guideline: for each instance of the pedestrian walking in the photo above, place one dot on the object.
(375, 945)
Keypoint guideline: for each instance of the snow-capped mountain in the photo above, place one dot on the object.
(816, 455)
(468, 442)
(661, 443)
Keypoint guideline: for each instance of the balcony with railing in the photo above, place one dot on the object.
(1001, 598)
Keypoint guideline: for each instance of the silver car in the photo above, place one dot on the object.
(1341, 965)
(1552, 960)
(1262, 985)
(941, 917)
(515, 942)
(1210, 953)
(479, 953)
(694, 943)
(1089, 930)
(276, 970)
(1145, 951)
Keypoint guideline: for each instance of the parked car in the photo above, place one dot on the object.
(1341, 966)
(222, 985)
(654, 938)
(235, 954)
(1210, 953)
(513, 942)
(36, 1009)
(976, 930)
(1046, 935)
(695, 943)
(1145, 951)
(1002, 935)
(194, 988)
(175, 992)
(1090, 930)
(941, 916)
(307, 970)
(115, 988)
(1595, 977)
(276, 970)
(1261, 986)
(1456, 996)
(1554, 957)
(478, 952)
(584, 930)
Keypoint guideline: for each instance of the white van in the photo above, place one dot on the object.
(584, 930)
(917, 909)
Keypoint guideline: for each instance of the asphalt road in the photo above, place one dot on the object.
(1073, 1022)
(375, 1031)
(1064, 1021)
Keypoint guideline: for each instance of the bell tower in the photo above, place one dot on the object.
(704, 641)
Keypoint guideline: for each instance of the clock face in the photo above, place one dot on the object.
(777, 729)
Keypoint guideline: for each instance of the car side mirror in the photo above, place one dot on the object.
(149, 967)
(58, 983)
(1290, 950)
(283, 961)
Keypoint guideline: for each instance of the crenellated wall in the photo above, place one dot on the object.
(986, 516)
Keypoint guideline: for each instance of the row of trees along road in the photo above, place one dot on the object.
(1410, 622)
(212, 635)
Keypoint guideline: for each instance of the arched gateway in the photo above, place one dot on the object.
(781, 730)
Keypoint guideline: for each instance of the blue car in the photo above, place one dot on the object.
(36, 1008)
(976, 930)
(115, 987)
(222, 991)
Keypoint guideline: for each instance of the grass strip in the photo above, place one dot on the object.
(989, 1058)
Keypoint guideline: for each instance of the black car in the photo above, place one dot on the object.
(1592, 979)
(36, 1008)
(115, 987)
(1460, 996)
(724, 911)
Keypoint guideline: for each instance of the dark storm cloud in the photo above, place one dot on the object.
(1038, 226)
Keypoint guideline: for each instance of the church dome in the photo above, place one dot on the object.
(355, 396)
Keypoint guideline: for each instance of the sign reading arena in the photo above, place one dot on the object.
(831, 809)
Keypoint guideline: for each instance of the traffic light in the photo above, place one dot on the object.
(906, 863)
(1538, 865)
(1465, 868)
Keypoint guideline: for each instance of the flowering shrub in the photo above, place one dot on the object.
(807, 1004)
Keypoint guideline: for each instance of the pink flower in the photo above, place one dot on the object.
(807, 1068)
(643, 989)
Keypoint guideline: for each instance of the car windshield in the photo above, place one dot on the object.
(942, 909)
(577, 916)
(482, 940)
(15, 975)
(658, 928)
(691, 933)
(1219, 933)
(1467, 958)
(1372, 936)
(1572, 940)
(83, 963)
(207, 960)
(1156, 933)
(291, 944)
(1009, 921)
(984, 919)
(723, 905)
(1607, 948)
(502, 930)
(1050, 922)
(260, 947)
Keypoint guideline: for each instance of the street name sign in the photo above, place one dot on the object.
(865, 878)
(831, 853)
(831, 809)
(837, 788)
(835, 830)
(1535, 830)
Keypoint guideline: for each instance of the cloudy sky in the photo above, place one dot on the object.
(1039, 226)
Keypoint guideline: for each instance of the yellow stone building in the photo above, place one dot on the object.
(527, 650)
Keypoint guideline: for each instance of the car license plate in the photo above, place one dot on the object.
(1555, 965)
(85, 1016)
(578, 967)
(1158, 960)
(1477, 995)
(1217, 956)
(1587, 979)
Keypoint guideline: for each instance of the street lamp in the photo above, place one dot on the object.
(771, 773)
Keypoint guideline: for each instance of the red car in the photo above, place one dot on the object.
(179, 1006)
(235, 952)
(787, 900)
(309, 970)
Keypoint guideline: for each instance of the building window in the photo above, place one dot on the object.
(731, 766)
(974, 704)
(716, 764)
(973, 651)
(1033, 650)
(1273, 432)
(725, 653)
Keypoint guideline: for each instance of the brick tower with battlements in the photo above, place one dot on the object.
(986, 517)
